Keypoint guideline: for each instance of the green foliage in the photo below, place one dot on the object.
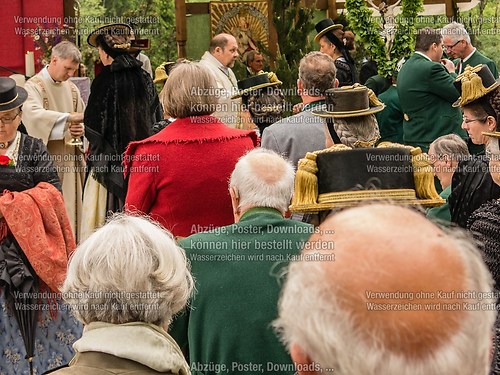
(293, 24)
(367, 30)
(151, 19)
(404, 42)
(90, 13)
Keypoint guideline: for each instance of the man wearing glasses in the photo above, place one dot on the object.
(457, 45)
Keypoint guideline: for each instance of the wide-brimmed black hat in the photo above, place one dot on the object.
(474, 83)
(109, 29)
(11, 96)
(254, 83)
(340, 177)
(350, 101)
(324, 26)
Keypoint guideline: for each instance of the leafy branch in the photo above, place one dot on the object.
(368, 31)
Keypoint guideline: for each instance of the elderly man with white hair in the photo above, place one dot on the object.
(125, 282)
(457, 45)
(237, 268)
(402, 298)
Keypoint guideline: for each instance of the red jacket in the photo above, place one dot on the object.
(180, 176)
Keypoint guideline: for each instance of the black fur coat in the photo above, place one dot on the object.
(122, 107)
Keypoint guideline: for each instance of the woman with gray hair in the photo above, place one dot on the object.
(444, 155)
(125, 282)
(179, 176)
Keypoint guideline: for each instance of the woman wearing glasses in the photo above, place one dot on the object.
(472, 184)
(36, 333)
(485, 222)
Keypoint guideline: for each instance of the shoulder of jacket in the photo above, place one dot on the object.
(342, 65)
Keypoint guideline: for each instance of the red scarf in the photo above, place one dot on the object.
(38, 220)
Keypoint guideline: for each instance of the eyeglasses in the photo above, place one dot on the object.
(468, 120)
(434, 158)
(9, 120)
(453, 45)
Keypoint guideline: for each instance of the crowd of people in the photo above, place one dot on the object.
(201, 231)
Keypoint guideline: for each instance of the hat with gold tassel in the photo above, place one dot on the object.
(343, 177)
(162, 72)
(474, 83)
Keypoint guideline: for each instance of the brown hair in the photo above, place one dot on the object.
(426, 37)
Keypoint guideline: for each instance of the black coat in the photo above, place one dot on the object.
(122, 107)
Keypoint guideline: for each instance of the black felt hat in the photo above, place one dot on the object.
(474, 83)
(11, 96)
(254, 83)
(324, 26)
(343, 177)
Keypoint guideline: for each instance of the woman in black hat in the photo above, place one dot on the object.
(472, 183)
(123, 107)
(35, 239)
(330, 38)
(483, 105)
(263, 99)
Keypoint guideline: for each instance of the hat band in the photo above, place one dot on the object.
(10, 101)
(349, 112)
(395, 194)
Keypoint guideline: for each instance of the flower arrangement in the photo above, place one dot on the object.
(7, 161)
(47, 36)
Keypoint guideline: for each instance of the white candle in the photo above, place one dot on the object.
(29, 61)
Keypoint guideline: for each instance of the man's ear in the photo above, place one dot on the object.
(235, 198)
(299, 86)
(336, 83)
(302, 361)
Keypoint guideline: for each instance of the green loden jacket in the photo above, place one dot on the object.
(239, 274)
(426, 94)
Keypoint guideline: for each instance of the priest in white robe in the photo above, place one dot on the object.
(53, 112)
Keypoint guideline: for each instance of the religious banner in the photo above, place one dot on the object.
(246, 21)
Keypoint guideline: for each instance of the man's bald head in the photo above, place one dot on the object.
(395, 299)
(220, 40)
(224, 48)
(262, 178)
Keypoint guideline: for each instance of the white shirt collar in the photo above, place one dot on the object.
(468, 57)
(424, 55)
(45, 73)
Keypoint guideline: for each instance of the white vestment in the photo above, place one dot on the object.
(229, 109)
(49, 103)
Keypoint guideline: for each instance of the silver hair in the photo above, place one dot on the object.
(456, 31)
(317, 72)
(66, 50)
(357, 131)
(130, 270)
(310, 316)
(450, 145)
(263, 178)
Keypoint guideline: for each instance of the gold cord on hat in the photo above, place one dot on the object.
(306, 182)
(10, 101)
